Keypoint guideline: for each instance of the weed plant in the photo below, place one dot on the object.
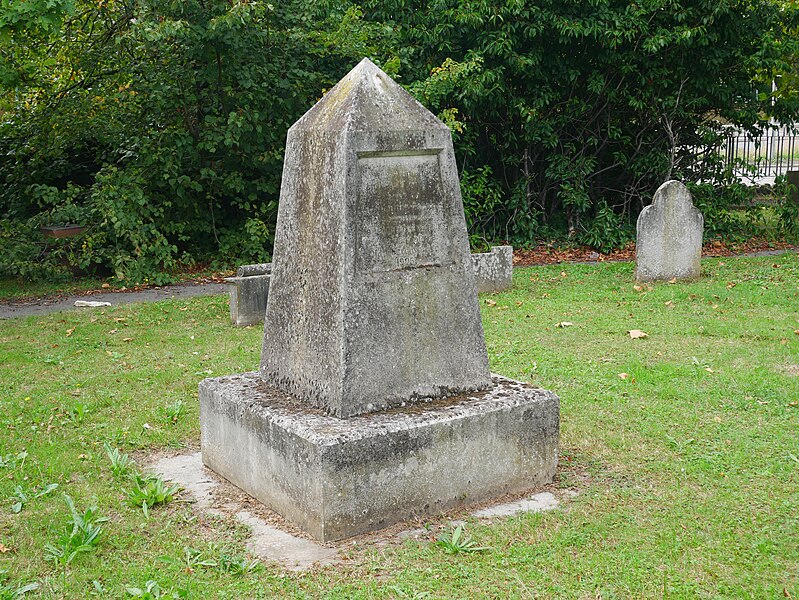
(121, 464)
(457, 541)
(150, 490)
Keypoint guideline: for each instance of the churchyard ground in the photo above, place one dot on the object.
(682, 447)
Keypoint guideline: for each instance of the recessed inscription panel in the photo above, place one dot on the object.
(399, 213)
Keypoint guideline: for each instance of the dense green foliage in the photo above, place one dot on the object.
(580, 110)
(160, 125)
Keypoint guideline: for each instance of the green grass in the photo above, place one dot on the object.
(687, 469)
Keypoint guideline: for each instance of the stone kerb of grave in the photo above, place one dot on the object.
(669, 236)
(248, 291)
(493, 271)
(374, 402)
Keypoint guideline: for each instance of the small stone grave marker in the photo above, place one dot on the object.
(669, 236)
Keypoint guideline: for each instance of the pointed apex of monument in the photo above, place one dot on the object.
(366, 99)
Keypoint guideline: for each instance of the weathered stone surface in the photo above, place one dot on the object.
(669, 236)
(252, 270)
(372, 299)
(249, 291)
(340, 477)
(493, 271)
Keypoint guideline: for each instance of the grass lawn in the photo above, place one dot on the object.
(683, 446)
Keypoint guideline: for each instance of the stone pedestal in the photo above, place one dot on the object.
(337, 478)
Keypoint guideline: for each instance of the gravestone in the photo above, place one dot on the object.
(792, 178)
(669, 236)
(374, 401)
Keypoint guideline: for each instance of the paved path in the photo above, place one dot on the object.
(43, 306)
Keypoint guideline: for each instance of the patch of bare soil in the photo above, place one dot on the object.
(792, 370)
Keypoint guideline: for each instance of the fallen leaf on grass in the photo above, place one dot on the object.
(637, 334)
(127, 339)
(491, 302)
(792, 404)
(623, 375)
(519, 303)
(564, 324)
(673, 280)
(4, 549)
(70, 331)
(105, 286)
(796, 331)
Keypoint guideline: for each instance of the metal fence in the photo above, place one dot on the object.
(769, 155)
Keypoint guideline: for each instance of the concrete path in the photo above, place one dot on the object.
(271, 543)
(44, 306)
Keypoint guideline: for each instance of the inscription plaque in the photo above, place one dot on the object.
(399, 211)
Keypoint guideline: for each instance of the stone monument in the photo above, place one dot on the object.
(669, 236)
(374, 401)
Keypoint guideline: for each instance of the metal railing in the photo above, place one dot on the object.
(769, 155)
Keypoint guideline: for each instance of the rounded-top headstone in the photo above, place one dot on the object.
(372, 301)
(669, 236)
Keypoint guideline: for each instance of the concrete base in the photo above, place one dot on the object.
(337, 478)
